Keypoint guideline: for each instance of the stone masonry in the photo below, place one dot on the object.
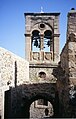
(14, 71)
(67, 82)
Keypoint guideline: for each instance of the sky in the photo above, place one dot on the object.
(12, 21)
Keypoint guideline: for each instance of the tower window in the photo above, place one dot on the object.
(47, 41)
(42, 26)
(35, 40)
(42, 74)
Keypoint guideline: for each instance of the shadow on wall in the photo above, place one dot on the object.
(19, 99)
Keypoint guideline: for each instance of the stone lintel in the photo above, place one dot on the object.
(49, 65)
(56, 35)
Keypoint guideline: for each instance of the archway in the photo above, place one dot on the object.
(25, 95)
(41, 108)
(38, 105)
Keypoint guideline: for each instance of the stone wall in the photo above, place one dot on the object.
(68, 58)
(64, 58)
(68, 64)
(71, 24)
(62, 81)
(14, 70)
(34, 74)
(66, 84)
(35, 69)
(72, 61)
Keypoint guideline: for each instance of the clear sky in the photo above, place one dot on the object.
(12, 22)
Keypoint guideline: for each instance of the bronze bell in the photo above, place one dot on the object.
(36, 43)
(48, 43)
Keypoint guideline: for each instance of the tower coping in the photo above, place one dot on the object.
(55, 14)
(72, 11)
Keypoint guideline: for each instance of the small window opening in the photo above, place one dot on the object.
(47, 41)
(42, 74)
(35, 41)
(46, 112)
(42, 26)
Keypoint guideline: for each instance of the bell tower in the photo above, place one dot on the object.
(42, 37)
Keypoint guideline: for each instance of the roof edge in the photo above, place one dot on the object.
(55, 14)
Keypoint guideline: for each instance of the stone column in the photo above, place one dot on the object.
(41, 42)
(56, 39)
(56, 47)
(42, 47)
(28, 46)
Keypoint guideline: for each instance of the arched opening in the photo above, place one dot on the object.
(48, 41)
(39, 104)
(42, 74)
(41, 108)
(35, 41)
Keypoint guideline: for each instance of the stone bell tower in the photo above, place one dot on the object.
(42, 37)
(42, 52)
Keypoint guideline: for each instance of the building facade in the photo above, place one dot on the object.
(44, 83)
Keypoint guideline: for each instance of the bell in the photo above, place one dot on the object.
(48, 43)
(39, 45)
(36, 43)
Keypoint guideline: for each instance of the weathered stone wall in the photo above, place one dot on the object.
(71, 23)
(67, 85)
(62, 82)
(68, 59)
(72, 73)
(72, 61)
(35, 69)
(14, 70)
(64, 58)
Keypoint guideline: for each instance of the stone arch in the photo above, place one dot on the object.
(40, 109)
(51, 28)
(36, 26)
(25, 95)
(47, 97)
(35, 92)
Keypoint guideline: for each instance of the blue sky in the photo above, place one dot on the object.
(12, 22)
